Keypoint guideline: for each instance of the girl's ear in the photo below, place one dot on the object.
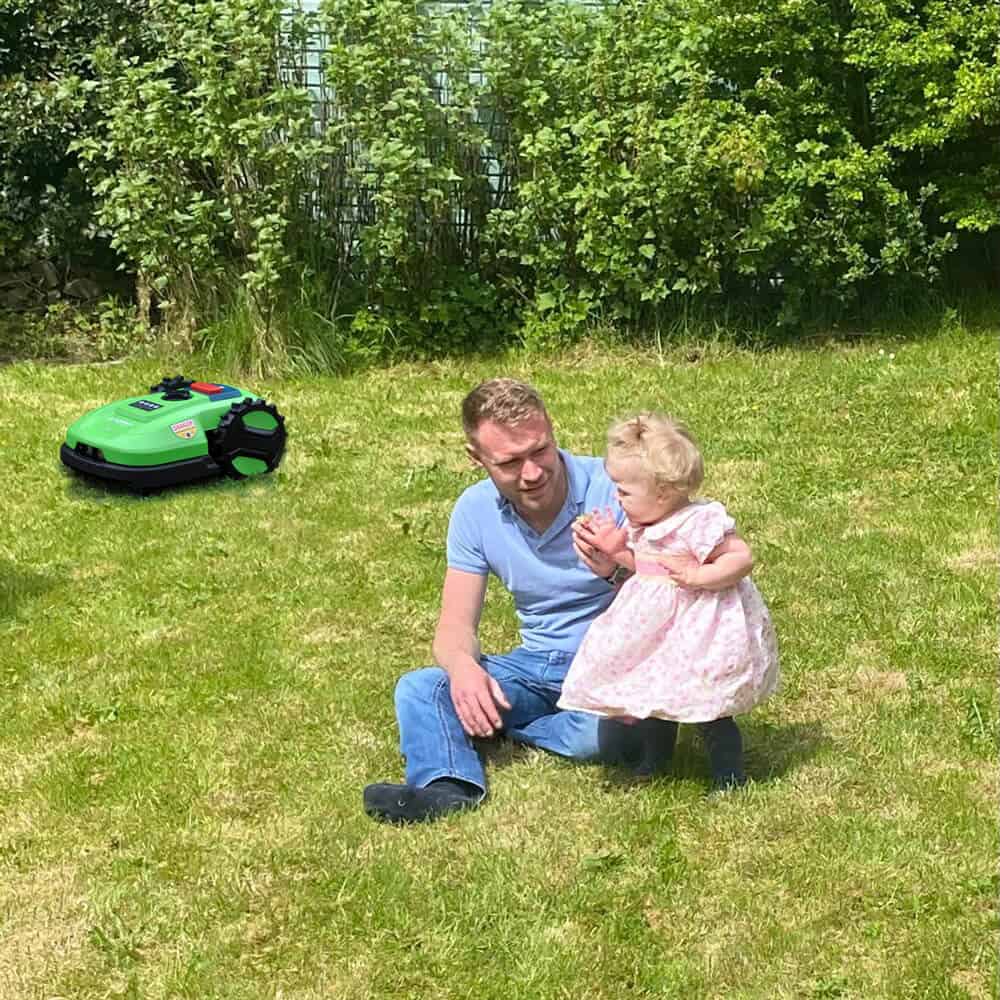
(671, 495)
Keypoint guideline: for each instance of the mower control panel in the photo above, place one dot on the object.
(176, 391)
(214, 390)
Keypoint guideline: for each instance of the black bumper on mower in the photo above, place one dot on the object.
(143, 477)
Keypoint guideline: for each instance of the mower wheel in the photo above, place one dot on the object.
(249, 440)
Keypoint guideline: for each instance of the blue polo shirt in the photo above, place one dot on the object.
(555, 594)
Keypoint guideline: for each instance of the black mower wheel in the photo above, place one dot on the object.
(249, 440)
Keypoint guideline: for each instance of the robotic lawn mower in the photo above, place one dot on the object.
(179, 431)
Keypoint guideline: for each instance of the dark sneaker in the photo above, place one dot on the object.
(407, 804)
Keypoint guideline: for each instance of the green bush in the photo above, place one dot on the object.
(665, 152)
(100, 331)
(202, 157)
(46, 208)
(414, 167)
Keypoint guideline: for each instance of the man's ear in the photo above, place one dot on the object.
(473, 455)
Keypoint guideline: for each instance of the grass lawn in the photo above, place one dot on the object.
(197, 684)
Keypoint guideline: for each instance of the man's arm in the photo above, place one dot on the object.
(475, 695)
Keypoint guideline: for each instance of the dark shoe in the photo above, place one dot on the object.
(407, 804)
(724, 743)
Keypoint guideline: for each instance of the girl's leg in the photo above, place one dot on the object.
(725, 752)
(657, 739)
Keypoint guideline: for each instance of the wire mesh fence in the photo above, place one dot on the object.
(341, 196)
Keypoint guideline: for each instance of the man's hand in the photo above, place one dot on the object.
(477, 698)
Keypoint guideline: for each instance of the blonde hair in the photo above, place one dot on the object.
(505, 401)
(665, 448)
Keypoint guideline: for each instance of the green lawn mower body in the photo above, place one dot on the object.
(181, 430)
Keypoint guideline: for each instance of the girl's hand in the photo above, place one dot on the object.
(599, 530)
(728, 563)
(684, 570)
(596, 561)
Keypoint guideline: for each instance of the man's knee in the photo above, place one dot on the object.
(579, 734)
(418, 686)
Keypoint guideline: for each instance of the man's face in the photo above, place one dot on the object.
(523, 463)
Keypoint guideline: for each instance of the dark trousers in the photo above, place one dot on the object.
(722, 738)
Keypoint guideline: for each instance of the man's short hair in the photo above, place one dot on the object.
(505, 401)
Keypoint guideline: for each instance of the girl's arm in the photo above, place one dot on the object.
(724, 566)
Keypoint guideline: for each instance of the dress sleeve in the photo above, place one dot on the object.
(706, 528)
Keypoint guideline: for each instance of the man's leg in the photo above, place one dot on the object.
(431, 738)
(581, 736)
(577, 735)
(443, 770)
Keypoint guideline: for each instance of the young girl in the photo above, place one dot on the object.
(688, 638)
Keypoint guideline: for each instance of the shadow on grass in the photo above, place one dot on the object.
(771, 751)
(82, 487)
(18, 585)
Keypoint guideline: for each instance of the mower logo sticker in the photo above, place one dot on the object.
(185, 429)
(146, 404)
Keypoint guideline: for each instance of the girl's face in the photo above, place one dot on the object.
(638, 495)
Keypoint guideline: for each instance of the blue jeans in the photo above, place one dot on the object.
(436, 746)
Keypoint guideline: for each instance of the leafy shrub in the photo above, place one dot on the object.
(46, 208)
(408, 129)
(628, 164)
(101, 331)
(201, 158)
(662, 153)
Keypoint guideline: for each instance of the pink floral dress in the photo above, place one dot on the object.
(673, 653)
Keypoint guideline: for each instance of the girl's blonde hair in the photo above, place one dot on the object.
(665, 448)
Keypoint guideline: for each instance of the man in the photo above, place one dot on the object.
(518, 525)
